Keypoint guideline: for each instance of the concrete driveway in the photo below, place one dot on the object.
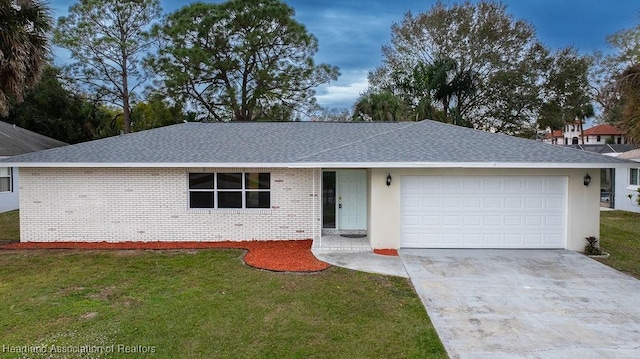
(526, 303)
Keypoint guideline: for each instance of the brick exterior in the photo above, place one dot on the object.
(151, 204)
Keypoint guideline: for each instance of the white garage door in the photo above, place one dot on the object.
(484, 212)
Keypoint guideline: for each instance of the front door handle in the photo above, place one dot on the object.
(339, 205)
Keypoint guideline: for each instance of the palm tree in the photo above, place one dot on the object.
(445, 82)
(24, 47)
(629, 86)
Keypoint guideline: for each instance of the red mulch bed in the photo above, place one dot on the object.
(280, 256)
(386, 252)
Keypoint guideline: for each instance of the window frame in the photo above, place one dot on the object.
(244, 190)
(632, 177)
(10, 177)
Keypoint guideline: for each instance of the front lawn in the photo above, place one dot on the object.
(620, 236)
(203, 304)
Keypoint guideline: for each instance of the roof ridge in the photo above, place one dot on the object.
(409, 124)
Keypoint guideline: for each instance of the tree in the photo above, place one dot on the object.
(382, 106)
(24, 47)
(156, 111)
(54, 111)
(444, 82)
(107, 38)
(616, 81)
(238, 59)
(629, 84)
(565, 91)
(496, 62)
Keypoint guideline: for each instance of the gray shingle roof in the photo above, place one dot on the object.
(15, 140)
(313, 143)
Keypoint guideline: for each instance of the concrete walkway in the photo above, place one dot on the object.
(526, 303)
(365, 261)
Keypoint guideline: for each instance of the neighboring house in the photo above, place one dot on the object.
(627, 183)
(598, 134)
(16, 141)
(404, 184)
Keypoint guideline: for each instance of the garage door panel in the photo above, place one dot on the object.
(492, 203)
(471, 186)
(411, 220)
(512, 221)
(513, 185)
(492, 220)
(484, 212)
(554, 203)
(534, 239)
(535, 185)
(472, 202)
(473, 220)
(451, 220)
(493, 239)
(472, 239)
(450, 238)
(512, 203)
(454, 185)
(534, 203)
(553, 221)
(534, 221)
(493, 184)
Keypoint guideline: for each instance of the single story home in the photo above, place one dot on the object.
(405, 184)
(614, 185)
(16, 141)
(627, 183)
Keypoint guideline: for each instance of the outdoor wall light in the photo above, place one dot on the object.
(389, 180)
(587, 179)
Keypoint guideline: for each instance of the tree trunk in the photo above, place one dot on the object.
(126, 115)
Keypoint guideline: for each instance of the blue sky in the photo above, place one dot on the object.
(352, 32)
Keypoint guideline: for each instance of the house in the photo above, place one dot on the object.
(16, 141)
(604, 133)
(404, 184)
(627, 183)
(608, 185)
(598, 134)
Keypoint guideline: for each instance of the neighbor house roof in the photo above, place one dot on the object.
(603, 130)
(554, 134)
(314, 144)
(15, 140)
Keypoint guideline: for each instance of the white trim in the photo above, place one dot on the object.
(323, 165)
(216, 191)
(10, 177)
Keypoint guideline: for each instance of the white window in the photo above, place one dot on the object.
(633, 176)
(6, 183)
(229, 190)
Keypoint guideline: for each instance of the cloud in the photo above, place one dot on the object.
(344, 92)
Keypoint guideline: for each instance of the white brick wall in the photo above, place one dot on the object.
(151, 204)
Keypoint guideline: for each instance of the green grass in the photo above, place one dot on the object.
(205, 304)
(9, 226)
(620, 236)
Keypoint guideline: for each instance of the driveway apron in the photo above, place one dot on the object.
(526, 303)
